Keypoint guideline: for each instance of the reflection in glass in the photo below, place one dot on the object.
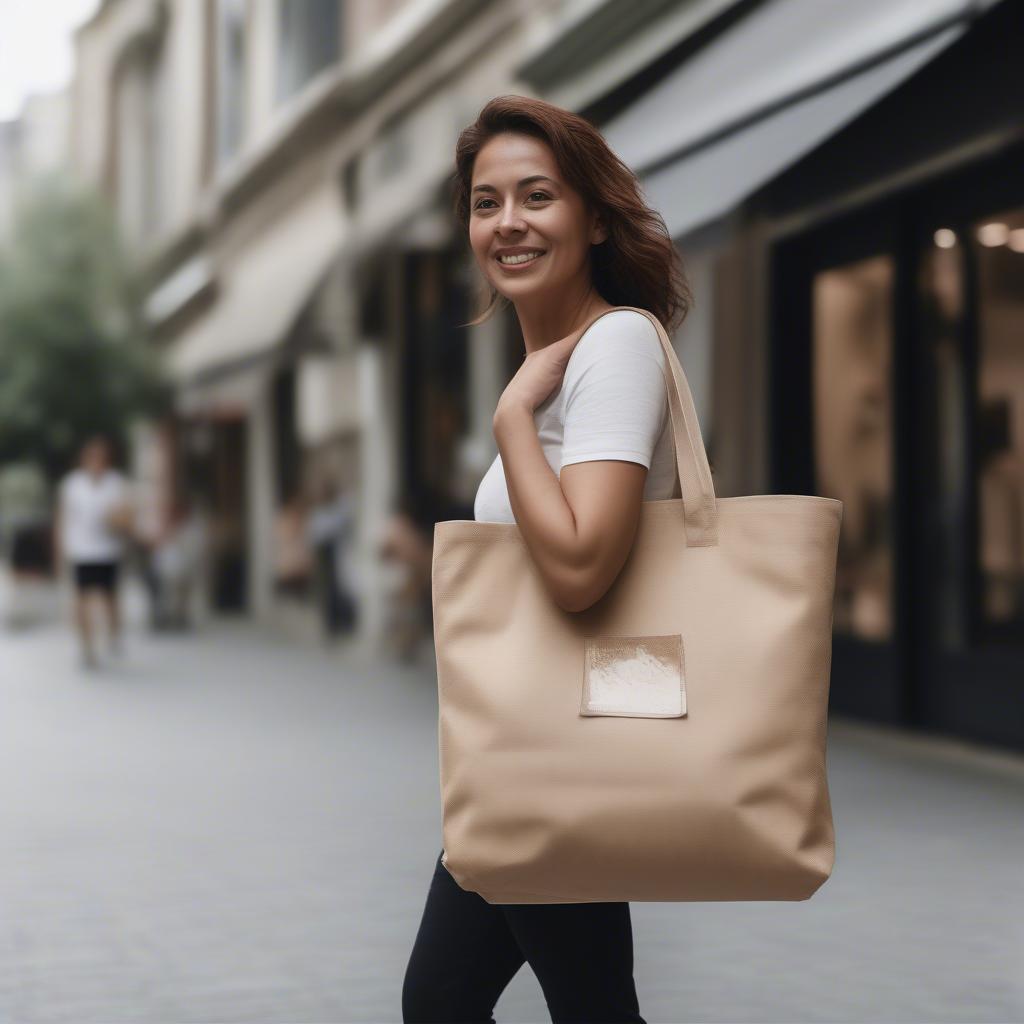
(944, 510)
(1000, 454)
(852, 355)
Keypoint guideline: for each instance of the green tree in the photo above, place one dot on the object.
(74, 355)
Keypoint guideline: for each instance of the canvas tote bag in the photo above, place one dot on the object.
(667, 743)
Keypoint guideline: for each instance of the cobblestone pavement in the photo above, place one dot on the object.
(235, 828)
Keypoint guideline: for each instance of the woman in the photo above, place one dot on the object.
(558, 228)
(94, 517)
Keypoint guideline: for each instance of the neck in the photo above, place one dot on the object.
(544, 322)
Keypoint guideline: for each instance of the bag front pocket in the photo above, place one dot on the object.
(634, 676)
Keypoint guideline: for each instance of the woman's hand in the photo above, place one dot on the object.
(542, 371)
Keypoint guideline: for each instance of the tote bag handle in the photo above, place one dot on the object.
(700, 509)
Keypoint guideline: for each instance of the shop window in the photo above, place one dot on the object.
(973, 302)
(945, 508)
(852, 359)
(997, 248)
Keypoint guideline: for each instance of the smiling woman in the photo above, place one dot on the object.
(530, 176)
(551, 234)
(558, 229)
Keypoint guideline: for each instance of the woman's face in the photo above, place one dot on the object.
(95, 456)
(519, 201)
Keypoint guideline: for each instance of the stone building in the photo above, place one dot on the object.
(838, 178)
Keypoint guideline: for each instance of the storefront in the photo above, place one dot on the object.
(232, 359)
(434, 385)
(851, 220)
(895, 382)
(317, 414)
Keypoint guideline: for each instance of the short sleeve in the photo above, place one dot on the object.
(616, 397)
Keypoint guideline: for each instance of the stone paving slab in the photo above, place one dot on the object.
(233, 828)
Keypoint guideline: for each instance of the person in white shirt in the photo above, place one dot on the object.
(559, 228)
(93, 519)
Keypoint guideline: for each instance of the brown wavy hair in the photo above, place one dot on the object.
(638, 264)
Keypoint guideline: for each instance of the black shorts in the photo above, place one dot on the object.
(96, 575)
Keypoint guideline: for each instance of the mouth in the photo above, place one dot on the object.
(519, 261)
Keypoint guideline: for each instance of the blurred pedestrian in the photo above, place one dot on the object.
(293, 560)
(94, 519)
(176, 565)
(404, 548)
(329, 531)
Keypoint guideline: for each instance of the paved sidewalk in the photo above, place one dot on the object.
(233, 828)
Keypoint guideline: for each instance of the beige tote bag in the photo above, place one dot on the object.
(667, 743)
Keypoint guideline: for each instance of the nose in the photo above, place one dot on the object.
(509, 223)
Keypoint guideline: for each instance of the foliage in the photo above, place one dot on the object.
(74, 357)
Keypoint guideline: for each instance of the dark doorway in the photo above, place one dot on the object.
(434, 384)
(215, 460)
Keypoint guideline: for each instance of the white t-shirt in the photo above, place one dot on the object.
(86, 502)
(612, 404)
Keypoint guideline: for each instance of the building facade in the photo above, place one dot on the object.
(852, 216)
(281, 169)
(837, 178)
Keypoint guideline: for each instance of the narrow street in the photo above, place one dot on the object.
(230, 827)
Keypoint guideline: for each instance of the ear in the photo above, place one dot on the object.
(598, 230)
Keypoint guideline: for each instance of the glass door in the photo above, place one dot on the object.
(852, 416)
(834, 426)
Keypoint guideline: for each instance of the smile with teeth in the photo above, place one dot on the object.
(525, 257)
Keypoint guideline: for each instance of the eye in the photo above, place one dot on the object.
(537, 192)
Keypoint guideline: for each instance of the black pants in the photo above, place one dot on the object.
(467, 950)
(96, 576)
(337, 607)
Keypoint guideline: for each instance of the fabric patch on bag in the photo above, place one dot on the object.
(634, 676)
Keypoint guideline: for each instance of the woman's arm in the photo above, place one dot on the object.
(579, 529)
